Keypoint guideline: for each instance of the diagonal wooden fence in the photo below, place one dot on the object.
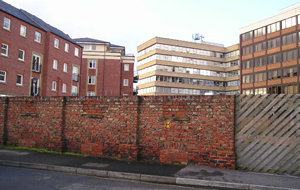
(268, 133)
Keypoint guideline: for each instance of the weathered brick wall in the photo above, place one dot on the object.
(2, 115)
(102, 126)
(195, 130)
(35, 122)
(200, 130)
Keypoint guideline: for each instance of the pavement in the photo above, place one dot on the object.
(196, 176)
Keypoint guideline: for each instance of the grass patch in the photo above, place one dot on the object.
(42, 150)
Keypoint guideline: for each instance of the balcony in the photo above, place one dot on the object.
(75, 77)
(36, 67)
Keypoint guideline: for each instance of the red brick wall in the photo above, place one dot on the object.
(2, 115)
(35, 122)
(200, 130)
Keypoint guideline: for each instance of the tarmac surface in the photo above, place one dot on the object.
(140, 171)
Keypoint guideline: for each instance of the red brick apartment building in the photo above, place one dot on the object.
(36, 59)
(106, 69)
(270, 54)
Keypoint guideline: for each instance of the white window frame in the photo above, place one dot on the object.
(5, 49)
(21, 77)
(67, 47)
(6, 23)
(76, 52)
(126, 67)
(92, 64)
(92, 79)
(37, 37)
(23, 58)
(125, 82)
(23, 30)
(65, 68)
(54, 86)
(55, 64)
(64, 88)
(56, 43)
(3, 74)
(74, 89)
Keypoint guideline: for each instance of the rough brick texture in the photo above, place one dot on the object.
(196, 130)
(2, 115)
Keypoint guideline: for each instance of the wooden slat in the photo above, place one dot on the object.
(268, 133)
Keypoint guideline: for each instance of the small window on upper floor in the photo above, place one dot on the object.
(23, 30)
(21, 55)
(289, 22)
(54, 85)
(37, 37)
(55, 64)
(19, 80)
(126, 67)
(65, 67)
(125, 82)
(4, 49)
(6, 23)
(64, 88)
(56, 43)
(76, 52)
(67, 47)
(92, 64)
(2, 76)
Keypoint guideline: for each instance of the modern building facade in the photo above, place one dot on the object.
(36, 59)
(270, 54)
(174, 67)
(106, 69)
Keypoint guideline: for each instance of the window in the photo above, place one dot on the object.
(6, 23)
(247, 79)
(291, 89)
(125, 82)
(247, 50)
(247, 91)
(289, 55)
(259, 77)
(36, 63)
(74, 90)
(4, 49)
(259, 32)
(287, 23)
(76, 52)
(56, 43)
(37, 37)
(258, 62)
(275, 58)
(290, 72)
(92, 80)
(273, 27)
(260, 91)
(289, 39)
(21, 55)
(19, 80)
(89, 47)
(55, 64)
(274, 74)
(92, 64)
(2, 76)
(64, 88)
(91, 93)
(54, 84)
(23, 30)
(247, 64)
(65, 67)
(67, 47)
(275, 90)
(260, 47)
(126, 67)
(75, 73)
(247, 36)
(273, 43)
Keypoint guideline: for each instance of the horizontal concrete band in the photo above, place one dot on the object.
(139, 177)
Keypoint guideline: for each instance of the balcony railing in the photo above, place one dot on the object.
(75, 77)
(36, 67)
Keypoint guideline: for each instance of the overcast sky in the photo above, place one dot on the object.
(132, 22)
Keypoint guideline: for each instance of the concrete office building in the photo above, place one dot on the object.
(174, 67)
(270, 54)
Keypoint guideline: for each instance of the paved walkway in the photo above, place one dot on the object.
(180, 175)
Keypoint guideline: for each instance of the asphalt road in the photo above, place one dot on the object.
(28, 179)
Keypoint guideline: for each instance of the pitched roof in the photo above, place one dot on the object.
(91, 40)
(32, 20)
